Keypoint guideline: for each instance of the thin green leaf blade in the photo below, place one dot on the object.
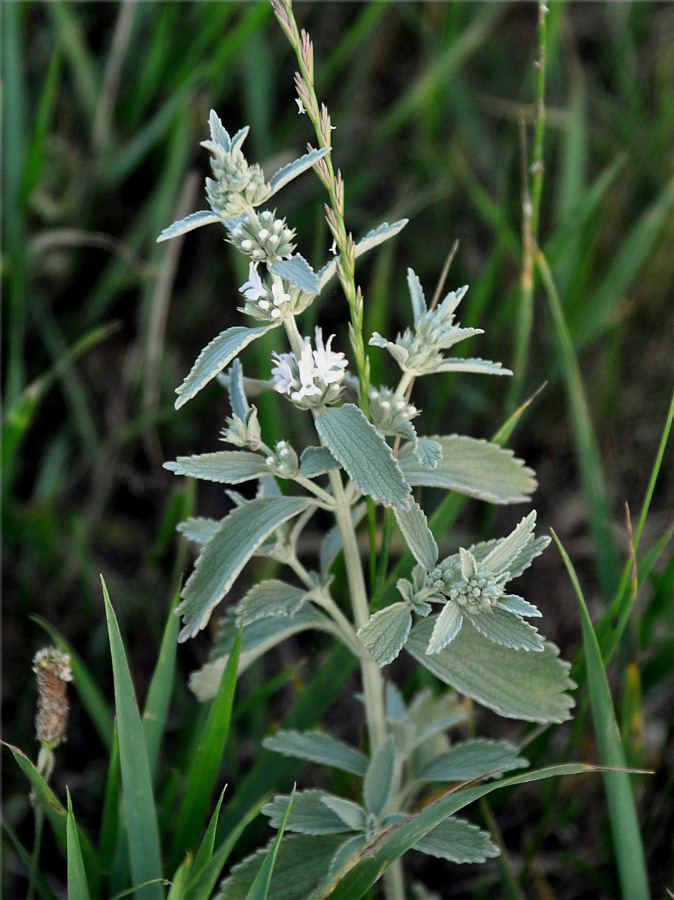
(78, 888)
(140, 815)
(204, 766)
(622, 811)
(260, 887)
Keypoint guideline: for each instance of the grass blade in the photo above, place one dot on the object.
(139, 810)
(629, 850)
(592, 476)
(159, 693)
(109, 834)
(78, 889)
(204, 765)
(260, 887)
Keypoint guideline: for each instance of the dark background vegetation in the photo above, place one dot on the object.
(104, 105)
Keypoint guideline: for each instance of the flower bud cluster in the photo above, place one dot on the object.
(315, 379)
(283, 461)
(264, 238)
(475, 589)
(236, 184)
(243, 432)
(269, 303)
(388, 411)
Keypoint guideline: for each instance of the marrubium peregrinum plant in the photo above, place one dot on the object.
(459, 616)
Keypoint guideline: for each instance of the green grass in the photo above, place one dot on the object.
(103, 109)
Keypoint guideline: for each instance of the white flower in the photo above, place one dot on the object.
(280, 296)
(253, 289)
(313, 379)
(300, 106)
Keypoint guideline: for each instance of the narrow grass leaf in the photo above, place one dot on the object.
(90, 694)
(205, 852)
(204, 879)
(78, 888)
(109, 833)
(629, 849)
(587, 450)
(54, 810)
(260, 887)
(45, 890)
(161, 686)
(140, 817)
(204, 765)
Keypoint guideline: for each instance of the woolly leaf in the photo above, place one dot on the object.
(446, 628)
(417, 295)
(237, 394)
(474, 467)
(189, 223)
(309, 814)
(498, 559)
(318, 747)
(477, 366)
(505, 628)
(353, 815)
(385, 633)
(316, 461)
(513, 683)
(297, 271)
(380, 778)
(413, 524)
(428, 452)
(292, 170)
(518, 605)
(346, 851)
(257, 639)
(198, 529)
(225, 466)
(221, 560)
(364, 453)
(458, 841)
(215, 356)
(478, 758)
(372, 239)
(269, 598)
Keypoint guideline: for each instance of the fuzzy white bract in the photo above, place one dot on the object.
(315, 379)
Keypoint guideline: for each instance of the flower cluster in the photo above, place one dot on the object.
(315, 379)
(264, 237)
(283, 461)
(236, 184)
(473, 584)
(388, 412)
(271, 302)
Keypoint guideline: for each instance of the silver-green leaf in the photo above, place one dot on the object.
(308, 815)
(215, 356)
(297, 271)
(380, 778)
(474, 467)
(318, 747)
(473, 759)
(458, 841)
(413, 525)
(364, 453)
(316, 461)
(372, 239)
(221, 560)
(513, 683)
(224, 466)
(385, 633)
(285, 174)
(506, 628)
(189, 223)
(269, 598)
